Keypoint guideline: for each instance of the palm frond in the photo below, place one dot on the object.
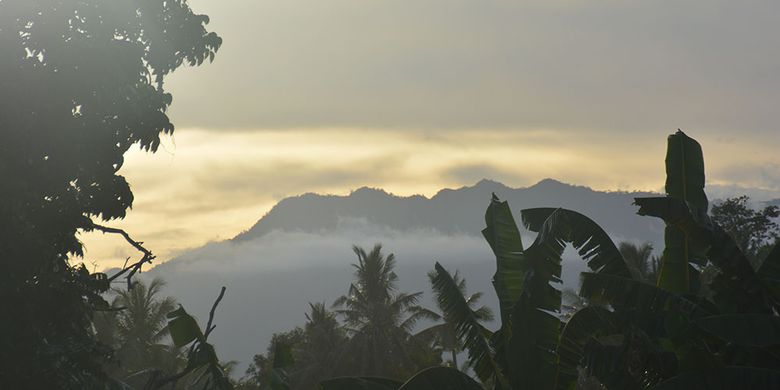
(484, 313)
(418, 313)
(467, 325)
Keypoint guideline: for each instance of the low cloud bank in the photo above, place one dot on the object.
(270, 280)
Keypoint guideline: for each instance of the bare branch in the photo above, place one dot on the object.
(132, 268)
(136, 244)
(209, 327)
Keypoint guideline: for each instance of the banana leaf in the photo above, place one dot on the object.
(583, 326)
(504, 239)
(623, 292)
(684, 181)
(591, 241)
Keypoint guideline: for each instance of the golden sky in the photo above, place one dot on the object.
(209, 185)
(412, 97)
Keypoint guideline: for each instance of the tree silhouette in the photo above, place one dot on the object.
(322, 346)
(642, 259)
(379, 320)
(140, 334)
(754, 231)
(444, 334)
(82, 82)
(315, 350)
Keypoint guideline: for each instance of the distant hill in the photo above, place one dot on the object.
(300, 251)
(452, 211)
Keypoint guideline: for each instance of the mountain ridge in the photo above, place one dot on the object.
(450, 211)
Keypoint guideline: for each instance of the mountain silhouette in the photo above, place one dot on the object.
(452, 211)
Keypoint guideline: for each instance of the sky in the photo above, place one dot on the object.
(415, 96)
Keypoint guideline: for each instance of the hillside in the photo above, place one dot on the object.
(450, 211)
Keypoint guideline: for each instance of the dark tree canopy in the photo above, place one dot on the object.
(753, 230)
(81, 81)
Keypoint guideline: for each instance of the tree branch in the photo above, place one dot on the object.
(210, 327)
(132, 268)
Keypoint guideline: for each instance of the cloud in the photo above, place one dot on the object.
(472, 173)
(761, 181)
(443, 64)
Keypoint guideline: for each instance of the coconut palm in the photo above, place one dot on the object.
(641, 257)
(444, 334)
(317, 357)
(137, 330)
(379, 319)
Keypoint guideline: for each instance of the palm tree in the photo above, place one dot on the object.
(137, 329)
(379, 319)
(444, 335)
(317, 358)
(641, 257)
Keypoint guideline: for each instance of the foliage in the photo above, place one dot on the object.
(319, 356)
(754, 231)
(82, 83)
